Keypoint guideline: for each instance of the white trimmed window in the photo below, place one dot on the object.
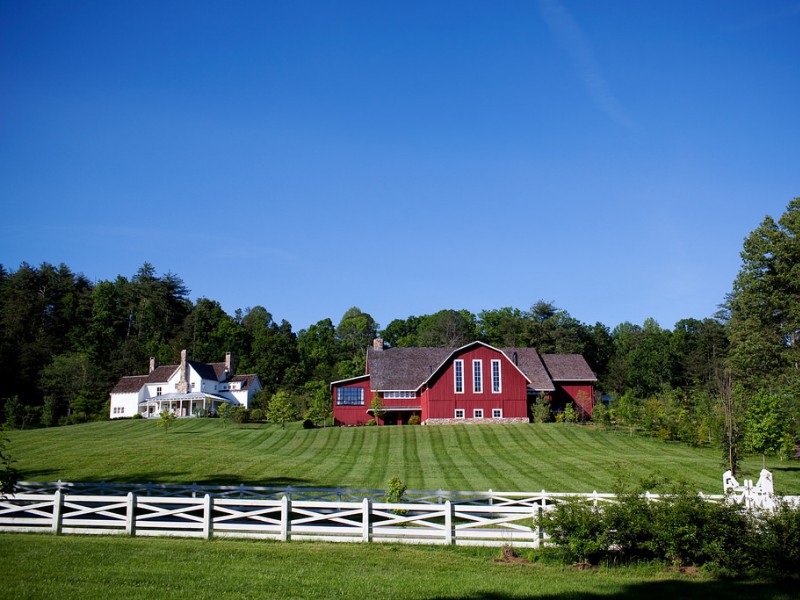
(394, 395)
(459, 413)
(350, 396)
(497, 413)
(158, 391)
(477, 376)
(477, 413)
(497, 385)
(458, 375)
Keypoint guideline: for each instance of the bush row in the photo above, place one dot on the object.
(681, 528)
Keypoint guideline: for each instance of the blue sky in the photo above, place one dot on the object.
(403, 157)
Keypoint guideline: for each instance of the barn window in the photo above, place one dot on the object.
(477, 376)
(459, 413)
(346, 396)
(458, 371)
(496, 383)
(497, 413)
(393, 395)
(478, 413)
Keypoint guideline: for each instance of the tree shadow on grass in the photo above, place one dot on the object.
(665, 590)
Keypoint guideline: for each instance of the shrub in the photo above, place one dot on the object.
(414, 420)
(256, 415)
(541, 410)
(578, 529)
(239, 414)
(137, 416)
(308, 424)
(371, 423)
(395, 493)
(776, 547)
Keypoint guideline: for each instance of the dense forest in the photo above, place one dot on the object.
(731, 379)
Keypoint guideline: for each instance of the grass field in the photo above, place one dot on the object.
(88, 567)
(554, 457)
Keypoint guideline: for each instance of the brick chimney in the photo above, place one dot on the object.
(377, 344)
(153, 364)
(182, 386)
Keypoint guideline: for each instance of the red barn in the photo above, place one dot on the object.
(473, 384)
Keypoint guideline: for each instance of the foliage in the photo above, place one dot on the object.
(225, 413)
(8, 474)
(766, 423)
(395, 493)
(541, 409)
(764, 304)
(569, 415)
(681, 528)
(320, 406)
(281, 409)
(578, 529)
(239, 414)
(600, 414)
(414, 420)
(256, 415)
(776, 545)
(166, 419)
(378, 409)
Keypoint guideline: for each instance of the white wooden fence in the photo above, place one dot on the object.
(365, 521)
(477, 518)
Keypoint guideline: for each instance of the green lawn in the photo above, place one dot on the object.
(533, 457)
(87, 567)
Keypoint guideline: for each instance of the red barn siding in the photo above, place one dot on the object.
(352, 415)
(442, 399)
(567, 391)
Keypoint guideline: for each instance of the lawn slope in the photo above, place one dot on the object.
(519, 457)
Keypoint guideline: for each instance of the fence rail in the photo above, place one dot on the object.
(284, 519)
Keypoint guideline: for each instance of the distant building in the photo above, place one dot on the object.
(187, 390)
(473, 384)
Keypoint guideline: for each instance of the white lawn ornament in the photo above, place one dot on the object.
(761, 495)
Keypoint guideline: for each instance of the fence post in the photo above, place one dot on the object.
(286, 509)
(449, 537)
(58, 506)
(130, 516)
(491, 497)
(539, 532)
(366, 527)
(208, 516)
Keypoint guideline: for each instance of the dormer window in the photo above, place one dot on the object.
(158, 391)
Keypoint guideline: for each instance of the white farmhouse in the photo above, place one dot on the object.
(189, 389)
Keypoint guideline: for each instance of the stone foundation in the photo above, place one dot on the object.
(475, 421)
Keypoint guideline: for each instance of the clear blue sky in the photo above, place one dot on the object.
(403, 157)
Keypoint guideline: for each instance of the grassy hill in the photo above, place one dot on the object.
(554, 457)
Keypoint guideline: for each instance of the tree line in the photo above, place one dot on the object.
(65, 341)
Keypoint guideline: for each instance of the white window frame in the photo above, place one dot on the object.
(460, 413)
(477, 413)
(477, 376)
(458, 371)
(497, 413)
(158, 391)
(497, 377)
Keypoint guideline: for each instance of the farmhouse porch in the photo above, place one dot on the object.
(181, 405)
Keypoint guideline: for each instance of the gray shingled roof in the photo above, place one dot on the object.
(568, 367)
(403, 368)
(133, 383)
(409, 368)
(208, 371)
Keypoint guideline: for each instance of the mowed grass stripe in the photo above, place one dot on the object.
(348, 472)
(520, 457)
(495, 442)
(444, 467)
(474, 454)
